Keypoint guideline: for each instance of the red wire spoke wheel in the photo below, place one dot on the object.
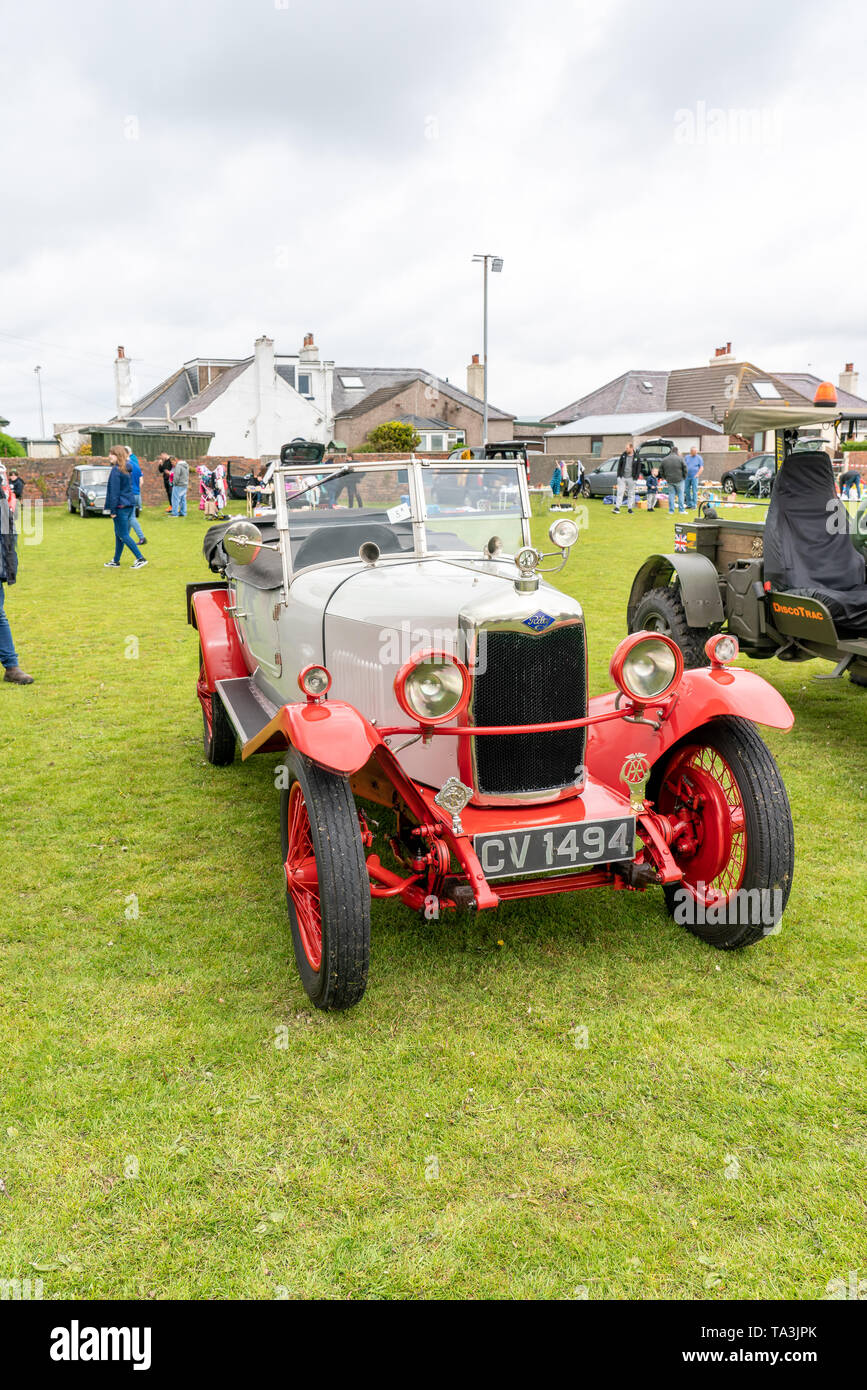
(327, 884)
(302, 879)
(700, 788)
(721, 791)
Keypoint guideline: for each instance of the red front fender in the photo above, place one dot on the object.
(332, 734)
(702, 695)
(221, 649)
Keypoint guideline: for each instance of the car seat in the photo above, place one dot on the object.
(808, 548)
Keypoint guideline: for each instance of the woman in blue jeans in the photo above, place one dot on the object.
(120, 501)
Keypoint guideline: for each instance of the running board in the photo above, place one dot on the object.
(248, 709)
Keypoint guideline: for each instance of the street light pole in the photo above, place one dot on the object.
(496, 265)
(38, 371)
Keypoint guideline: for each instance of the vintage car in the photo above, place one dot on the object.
(426, 691)
(791, 585)
(85, 491)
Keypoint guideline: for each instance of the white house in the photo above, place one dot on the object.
(253, 405)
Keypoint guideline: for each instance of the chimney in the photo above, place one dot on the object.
(722, 355)
(309, 351)
(476, 378)
(263, 368)
(122, 385)
(848, 379)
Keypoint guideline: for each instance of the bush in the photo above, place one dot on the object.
(393, 437)
(11, 449)
(850, 446)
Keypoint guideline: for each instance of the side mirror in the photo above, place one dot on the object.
(494, 547)
(242, 542)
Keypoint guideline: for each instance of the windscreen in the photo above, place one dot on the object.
(89, 476)
(466, 506)
(330, 517)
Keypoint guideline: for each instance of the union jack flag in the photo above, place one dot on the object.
(680, 541)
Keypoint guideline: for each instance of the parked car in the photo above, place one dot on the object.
(505, 449)
(426, 691)
(237, 483)
(755, 476)
(85, 491)
(601, 481)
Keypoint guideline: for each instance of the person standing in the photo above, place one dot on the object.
(673, 470)
(652, 480)
(164, 468)
(851, 478)
(8, 573)
(135, 474)
(629, 470)
(180, 483)
(16, 483)
(694, 470)
(120, 503)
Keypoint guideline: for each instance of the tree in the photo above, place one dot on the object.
(10, 448)
(393, 437)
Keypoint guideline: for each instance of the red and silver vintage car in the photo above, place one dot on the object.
(391, 636)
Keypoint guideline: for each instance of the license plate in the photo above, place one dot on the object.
(547, 848)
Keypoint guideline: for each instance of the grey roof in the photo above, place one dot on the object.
(212, 391)
(375, 378)
(805, 384)
(629, 422)
(364, 403)
(175, 391)
(628, 392)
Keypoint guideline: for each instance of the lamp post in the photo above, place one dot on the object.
(38, 371)
(496, 266)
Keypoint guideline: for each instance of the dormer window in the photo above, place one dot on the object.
(304, 388)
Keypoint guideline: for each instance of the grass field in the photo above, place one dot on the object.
(177, 1121)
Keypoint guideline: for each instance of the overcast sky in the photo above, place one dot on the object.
(659, 178)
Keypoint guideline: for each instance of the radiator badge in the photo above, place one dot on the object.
(538, 621)
(453, 797)
(634, 773)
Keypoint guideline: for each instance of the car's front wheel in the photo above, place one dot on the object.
(82, 509)
(722, 792)
(662, 610)
(586, 490)
(728, 485)
(327, 885)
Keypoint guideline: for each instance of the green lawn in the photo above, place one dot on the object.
(178, 1121)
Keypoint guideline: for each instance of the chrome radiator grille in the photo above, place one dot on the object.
(529, 678)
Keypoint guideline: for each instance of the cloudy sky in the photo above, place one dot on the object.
(659, 177)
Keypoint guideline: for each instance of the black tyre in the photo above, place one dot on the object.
(327, 886)
(728, 485)
(82, 509)
(858, 673)
(737, 852)
(218, 734)
(662, 610)
(586, 490)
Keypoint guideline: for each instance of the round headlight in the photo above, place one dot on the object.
(721, 649)
(91, 496)
(315, 681)
(647, 666)
(563, 533)
(432, 687)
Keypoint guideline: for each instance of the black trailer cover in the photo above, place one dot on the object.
(808, 549)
